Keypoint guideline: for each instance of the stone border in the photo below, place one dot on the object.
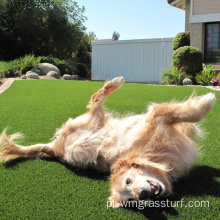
(6, 84)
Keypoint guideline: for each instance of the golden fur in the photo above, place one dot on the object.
(145, 153)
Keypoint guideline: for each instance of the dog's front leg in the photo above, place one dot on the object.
(97, 100)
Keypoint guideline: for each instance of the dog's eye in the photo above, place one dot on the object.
(128, 181)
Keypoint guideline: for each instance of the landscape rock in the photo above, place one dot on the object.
(67, 77)
(75, 77)
(36, 71)
(47, 67)
(32, 75)
(187, 82)
(24, 77)
(54, 74)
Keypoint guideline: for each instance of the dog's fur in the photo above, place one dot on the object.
(145, 153)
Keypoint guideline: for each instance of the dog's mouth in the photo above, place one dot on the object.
(152, 193)
(156, 189)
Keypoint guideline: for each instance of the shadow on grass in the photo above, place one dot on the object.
(201, 181)
(89, 173)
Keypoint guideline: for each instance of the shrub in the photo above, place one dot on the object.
(82, 70)
(173, 76)
(62, 65)
(27, 63)
(205, 76)
(2, 75)
(19, 66)
(182, 39)
(188, 60)
(3, 66)
(10, 69)
(218, 59)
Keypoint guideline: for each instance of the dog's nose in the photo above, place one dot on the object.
(143, 194)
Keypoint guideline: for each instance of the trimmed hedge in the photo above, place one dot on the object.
(182, 39)
(188, 60)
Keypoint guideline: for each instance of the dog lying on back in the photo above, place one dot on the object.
(145, 153)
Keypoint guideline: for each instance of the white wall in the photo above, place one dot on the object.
(135, 60)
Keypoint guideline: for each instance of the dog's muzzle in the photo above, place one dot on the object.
(155, 191)
(143, 194)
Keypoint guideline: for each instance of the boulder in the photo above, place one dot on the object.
(35, 71)
(67, 77)
(187, 82)
(47, 67)
(54, 74)
(32, 75)
(75, 77)
(24, 77)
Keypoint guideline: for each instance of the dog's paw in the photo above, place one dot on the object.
(117, 81)
(208, 99)
(114, 84)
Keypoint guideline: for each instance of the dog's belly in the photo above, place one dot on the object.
(99, 148)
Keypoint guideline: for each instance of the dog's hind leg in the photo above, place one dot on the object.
(192, 110)
(97, 99)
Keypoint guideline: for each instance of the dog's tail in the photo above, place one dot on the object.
(9, 150)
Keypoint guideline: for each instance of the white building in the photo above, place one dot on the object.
(135, 60)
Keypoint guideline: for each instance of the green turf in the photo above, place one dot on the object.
(37, 189)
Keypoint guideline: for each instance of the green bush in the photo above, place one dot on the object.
(218, 59)
(3, 66)
(2, 75)
(21, 66)
(11, 68)
(82, 70)
(173, 76)
(188, 60)
(62, 65)
(182, 39)
(27, 63)
(205, 76)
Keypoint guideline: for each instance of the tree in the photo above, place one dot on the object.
(115, 36)
(42, 27)
(84, 52)
(92, 36)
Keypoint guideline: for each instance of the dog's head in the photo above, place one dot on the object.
(138, 179)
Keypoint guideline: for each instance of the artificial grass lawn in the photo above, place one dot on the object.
(47, 189)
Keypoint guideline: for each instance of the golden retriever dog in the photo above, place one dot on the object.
(145, 153)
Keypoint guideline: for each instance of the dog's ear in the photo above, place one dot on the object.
(118, 165)
(123, 162)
